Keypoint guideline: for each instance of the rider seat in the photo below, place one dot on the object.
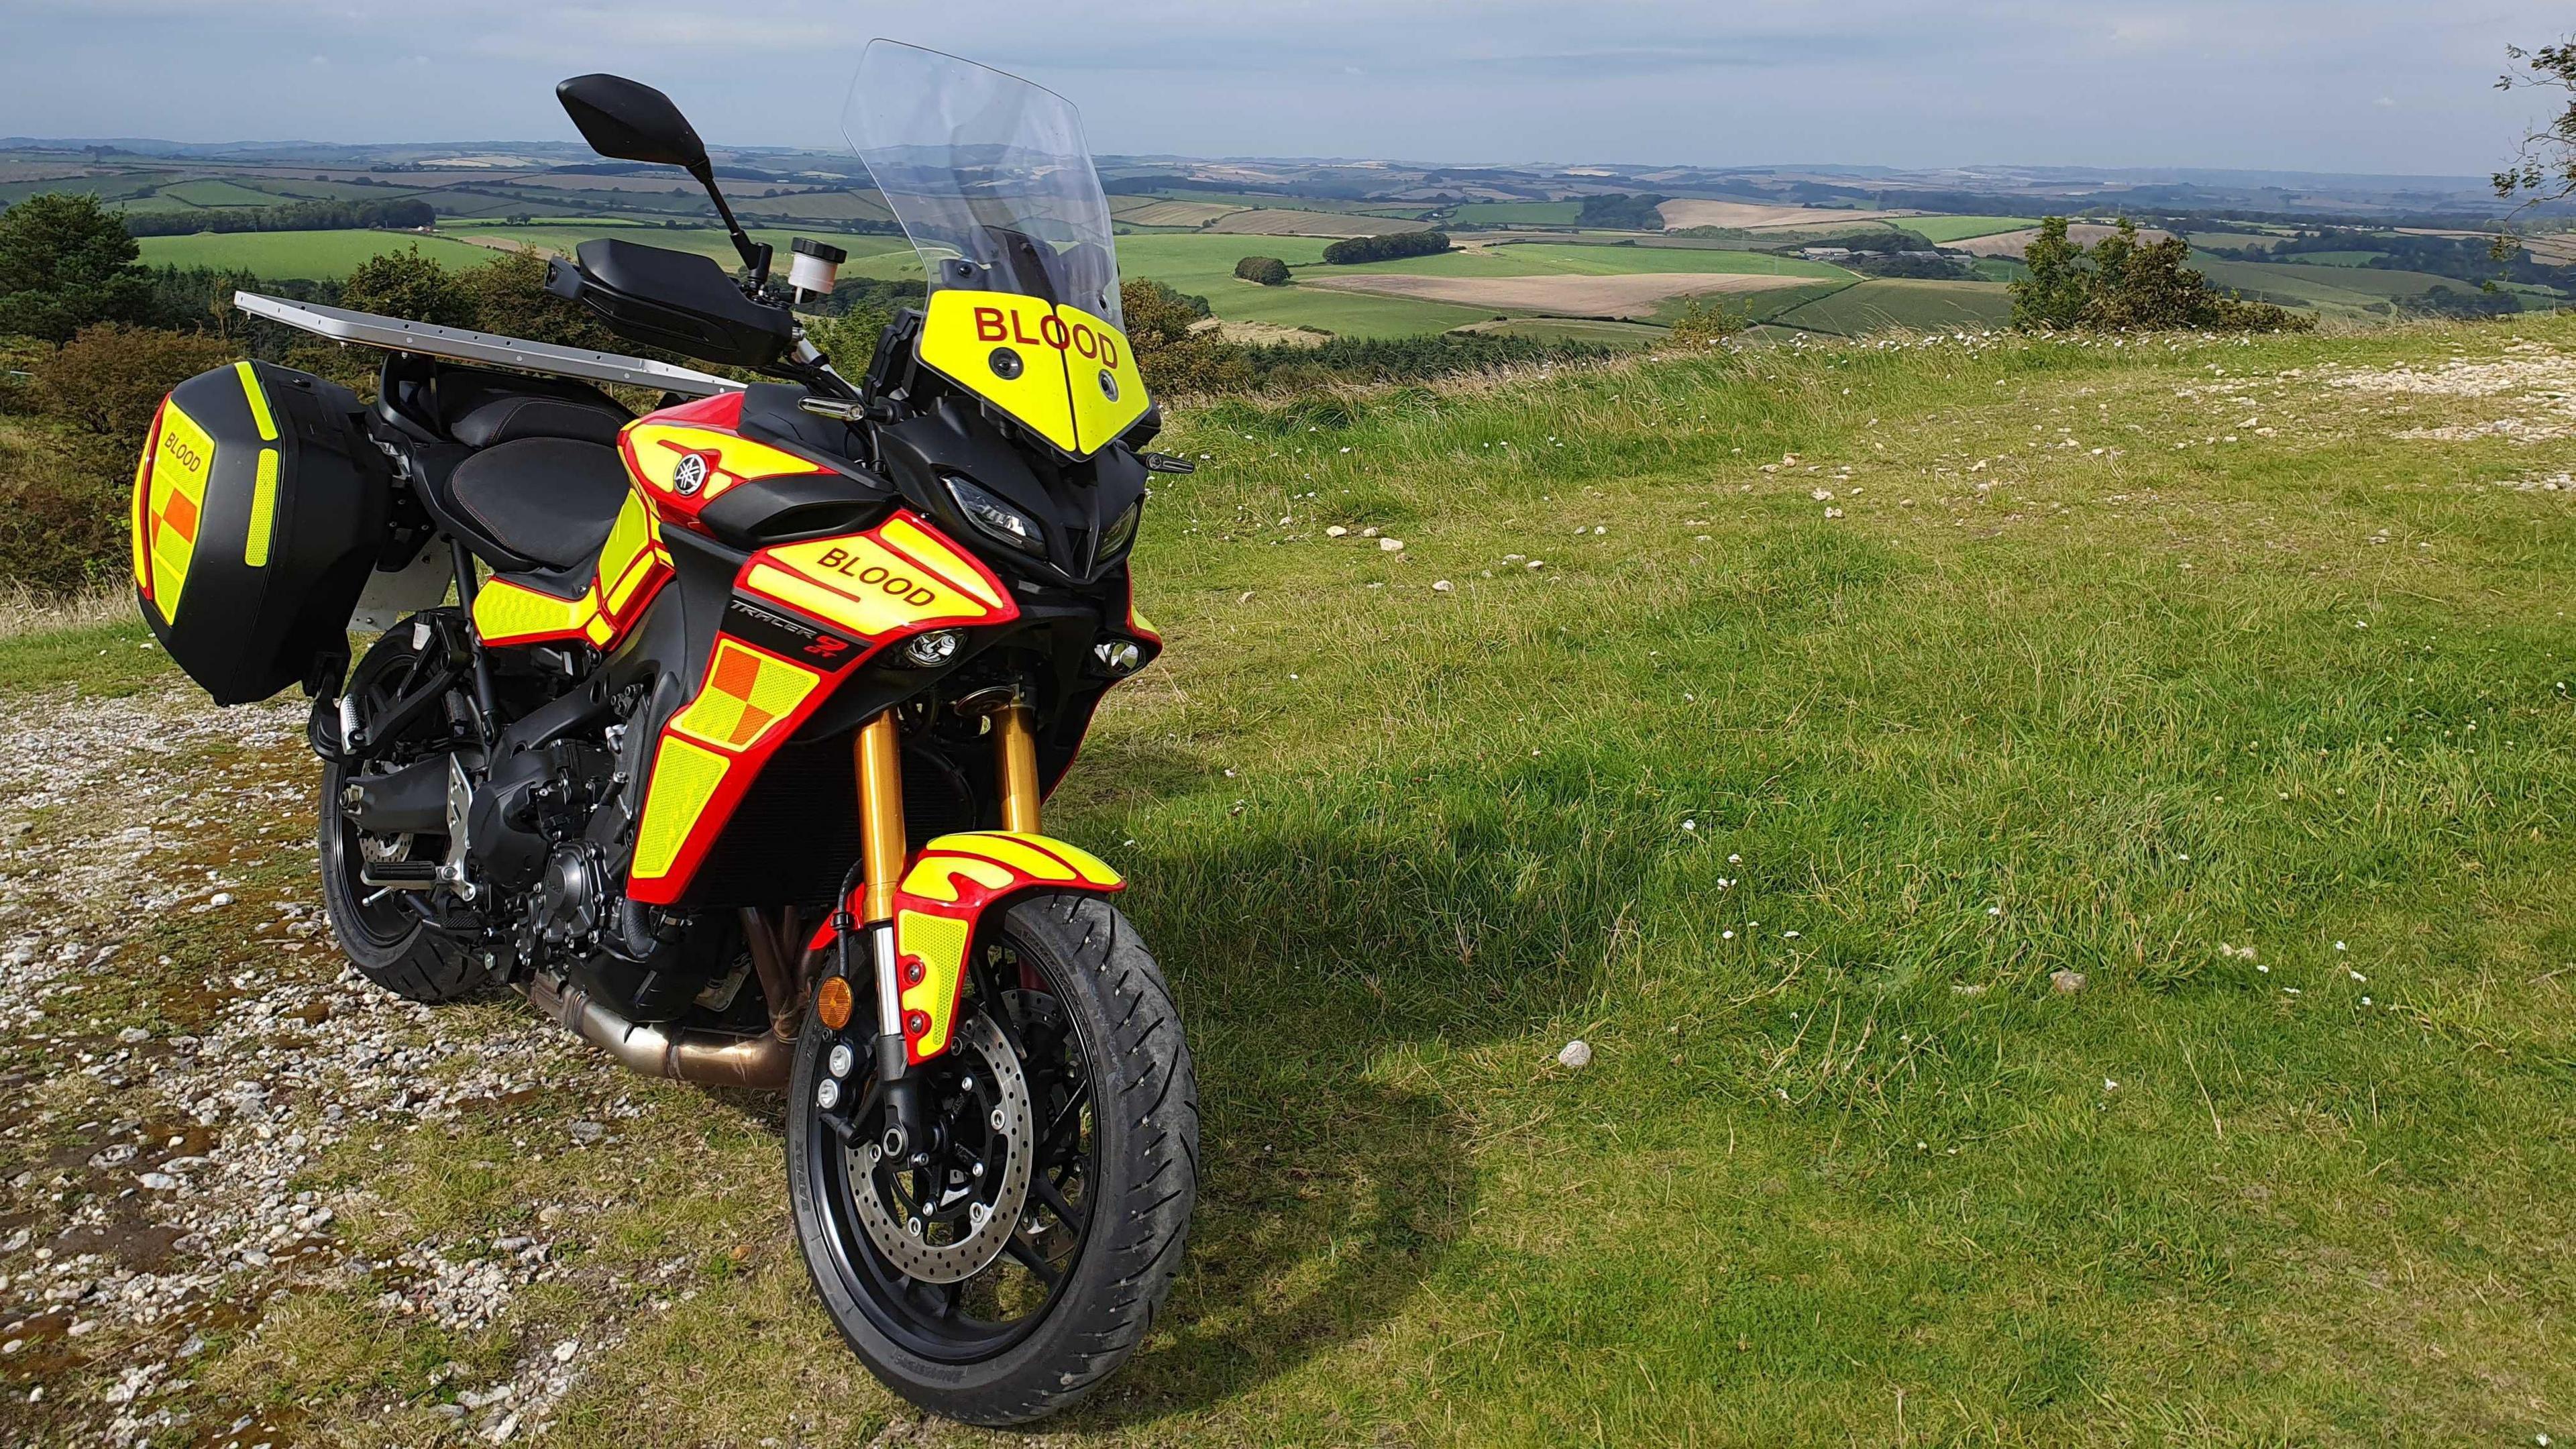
(550, 500)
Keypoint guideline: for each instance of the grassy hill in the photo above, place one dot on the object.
(2058, 849)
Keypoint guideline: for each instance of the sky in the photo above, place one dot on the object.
(2372, 86)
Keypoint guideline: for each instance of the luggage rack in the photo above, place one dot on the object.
(460, 344)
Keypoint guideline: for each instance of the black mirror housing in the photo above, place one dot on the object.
(631, 121)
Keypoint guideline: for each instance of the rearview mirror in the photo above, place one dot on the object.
(631, 121)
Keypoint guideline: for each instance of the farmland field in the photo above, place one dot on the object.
(1752, 216)
(1516, 213)
(2014, 243)
(2064, 895)
(289, 254)
(1524, 259)
(1943, 230)
(1285, 221)
(1881, 303)
(1622, 294)
(1172, 213)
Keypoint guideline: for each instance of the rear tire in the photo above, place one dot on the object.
(1139, 1182)
(389, 942)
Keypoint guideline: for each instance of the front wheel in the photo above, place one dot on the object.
(1002, 1271)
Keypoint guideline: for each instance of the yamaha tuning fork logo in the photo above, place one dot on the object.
(690, 475)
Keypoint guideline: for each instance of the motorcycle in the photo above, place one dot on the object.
(721, 733)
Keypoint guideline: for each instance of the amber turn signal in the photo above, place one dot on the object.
(832, 1002)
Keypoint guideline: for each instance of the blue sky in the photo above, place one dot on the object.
(2391, 86)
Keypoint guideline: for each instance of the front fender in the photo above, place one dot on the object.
(942, 897)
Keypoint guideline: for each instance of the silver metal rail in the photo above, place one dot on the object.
(459, 344)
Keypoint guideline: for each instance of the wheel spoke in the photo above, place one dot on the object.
(1027, 1256)
(1046, 1192)
(1070, 1114)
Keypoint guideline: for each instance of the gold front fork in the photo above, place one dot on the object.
(1015, 739)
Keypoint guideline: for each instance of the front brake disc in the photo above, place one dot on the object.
(908, 1233)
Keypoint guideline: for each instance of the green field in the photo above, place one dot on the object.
(2344, 290)
(2077, 950)
(1623, 335)
(1885, 302)
(294, 254)
(213, 193)
(2332, 259)
(1532, 259)
(1944, 230)
(1515, 213)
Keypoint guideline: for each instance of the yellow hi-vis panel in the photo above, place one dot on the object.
(263, 511)
(685, 778)
(864, 586)
(508, 613)
(1100, 372)
(1053, 368)
(940, 944)
(176, 510)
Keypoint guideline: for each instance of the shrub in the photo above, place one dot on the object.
(66, 262)
(1705, 322)
(110, 378)
(63, 507)
(1268, 271)
(1353, 250)
(2123, 284)
(1175, 357)
(411, 286)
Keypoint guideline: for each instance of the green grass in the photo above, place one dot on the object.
(2100, 718)
(2268, 736)
(2339, 290)
(1888, 302)
(298, 254)
(1947, 229)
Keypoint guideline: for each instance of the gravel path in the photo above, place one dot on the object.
(183, 1059)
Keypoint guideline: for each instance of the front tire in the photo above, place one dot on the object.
(1080, 1000)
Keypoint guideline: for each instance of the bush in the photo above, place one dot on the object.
(1268, 271)
(408, 285)
(66, 262)
(64, 503)
(2123, 285)
(1175, 357)
(1353, 250)
(1705, 322)
(110, 378)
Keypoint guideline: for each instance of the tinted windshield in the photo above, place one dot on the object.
(988, 174)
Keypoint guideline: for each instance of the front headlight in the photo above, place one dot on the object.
(994, 518)
(1122, 531)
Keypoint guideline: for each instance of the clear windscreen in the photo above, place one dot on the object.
(988, 175)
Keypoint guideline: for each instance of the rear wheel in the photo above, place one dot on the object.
(388, 935)
(1003, 1272)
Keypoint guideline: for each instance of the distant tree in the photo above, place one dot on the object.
(408, 285)
(1268, 271)
(66, 263)
(407, 214)
(2123, 284)
(1353, 250)
(1628, 213)
(110, 378)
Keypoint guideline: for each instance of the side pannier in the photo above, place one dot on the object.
(259, 509)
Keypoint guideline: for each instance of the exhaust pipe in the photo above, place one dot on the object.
(759, 1062)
